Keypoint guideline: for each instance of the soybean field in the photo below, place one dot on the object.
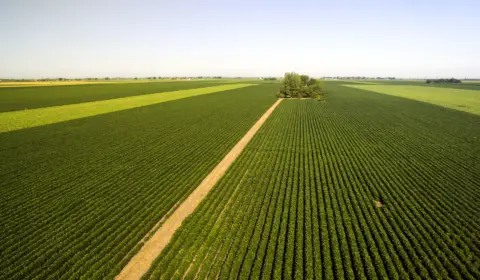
(14, 98)
(360, 185)
(78, 197)
(375, 180)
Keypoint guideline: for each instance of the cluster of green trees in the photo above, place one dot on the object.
(443, 81)
(270, 79)
(300, 86)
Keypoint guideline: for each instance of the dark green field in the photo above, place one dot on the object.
(301, 201)
(463, 85)
(358, 185)
(77, 197)
(20, 98)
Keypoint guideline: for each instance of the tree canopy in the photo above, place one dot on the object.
(300, 86)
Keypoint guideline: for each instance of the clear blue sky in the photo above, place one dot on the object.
(84, 38)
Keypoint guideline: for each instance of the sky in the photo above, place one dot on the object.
(71, 38)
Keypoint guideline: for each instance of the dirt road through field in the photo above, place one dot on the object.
(141, 262)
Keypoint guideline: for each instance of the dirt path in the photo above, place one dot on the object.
(141, 262)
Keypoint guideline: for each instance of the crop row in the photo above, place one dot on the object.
(77, 197)
(300, 201)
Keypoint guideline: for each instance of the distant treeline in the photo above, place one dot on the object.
(358, 78)
(443, 81)
(270, 78)
(111, 78)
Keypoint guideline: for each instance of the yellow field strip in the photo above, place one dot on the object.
(10, 121)
(73, 83)
(141, 262)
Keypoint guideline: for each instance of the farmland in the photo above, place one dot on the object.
(14, 98)
(359, 186)
(468, 85)
(77, 197)
(459, 99)
(15, 120)
(365, 183)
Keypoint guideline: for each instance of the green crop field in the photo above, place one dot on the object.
(301, 202)
(77, 197)
(376, 180)
(468, 85)
(29, 97)
(15, 120)
(459, 99)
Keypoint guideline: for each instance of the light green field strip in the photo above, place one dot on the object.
(10, 121)
(365, 82)
(458, 99)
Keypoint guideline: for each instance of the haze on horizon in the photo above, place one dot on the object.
(409, 39)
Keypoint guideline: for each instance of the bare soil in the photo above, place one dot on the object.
(141, 262)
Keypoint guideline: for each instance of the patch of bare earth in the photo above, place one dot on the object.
(142, 261)
(378, 204)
